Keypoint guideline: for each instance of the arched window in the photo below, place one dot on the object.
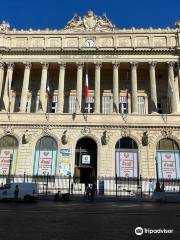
(126, 154)
(45, 156)
(168, 159)
(8, 155)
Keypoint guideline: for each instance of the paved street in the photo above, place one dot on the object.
(86, 220)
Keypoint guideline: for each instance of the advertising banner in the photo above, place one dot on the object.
(126, 164)
(5, 156)
(168, 165)
(65, 164)
(45, 163)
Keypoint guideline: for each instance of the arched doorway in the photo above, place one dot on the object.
(8, 155)
(126, 154)
(45, 156)
(86, 160)
(168, 159)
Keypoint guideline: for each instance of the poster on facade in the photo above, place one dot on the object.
(5, 156)
(65, 164)
(168, 165)
(126, 164)
(45, 162)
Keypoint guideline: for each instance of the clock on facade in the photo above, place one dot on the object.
(89, 43)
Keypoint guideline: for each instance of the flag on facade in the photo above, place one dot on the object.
(86, 86)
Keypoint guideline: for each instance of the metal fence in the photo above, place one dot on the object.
(105, 186)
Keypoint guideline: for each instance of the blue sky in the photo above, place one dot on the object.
(24, 14)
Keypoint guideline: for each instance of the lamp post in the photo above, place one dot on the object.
(8, 180)
(157, 177)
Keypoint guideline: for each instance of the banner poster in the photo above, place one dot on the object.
(65, 164)
(45, 163)
(168, 165)
(126, 164)
(5, 161)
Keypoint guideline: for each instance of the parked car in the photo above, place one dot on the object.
(20, 191)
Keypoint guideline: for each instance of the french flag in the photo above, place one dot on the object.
(86, 86)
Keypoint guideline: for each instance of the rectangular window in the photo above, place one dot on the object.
(28, 105)
(123, 105)
(162, 106)
(141, 105)
(53, 104)
(89, 105)
(106, 105)
(72, 104)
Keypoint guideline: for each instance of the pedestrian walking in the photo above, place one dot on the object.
(16, 192)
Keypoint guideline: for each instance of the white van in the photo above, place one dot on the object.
(27, 191)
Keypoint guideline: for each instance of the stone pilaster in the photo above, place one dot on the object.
(79, 87)
(153, 92)
(42, 104)
(116, 87)
(25, 87)
(60, 105)
(171, 88)
(97, 86)
(134, 97)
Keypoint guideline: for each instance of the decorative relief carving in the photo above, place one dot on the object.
(54, 42)
(142, 42)
(90, 22)
(65, 137)
(166, 132)
(4, 26)
(71, 42)
(86, 130)
(26, 137)
(159, 41)
(145, 138)
(37, 42)
(105, 138)
(124, 42)
(8, 130)
(46, 130)
(106, 42)
(173, 41)
(125, 131)
(20, 42)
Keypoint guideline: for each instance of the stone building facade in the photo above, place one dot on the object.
(131, 113)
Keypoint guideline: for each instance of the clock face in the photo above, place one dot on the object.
(89, 43)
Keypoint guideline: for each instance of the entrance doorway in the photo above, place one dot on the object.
(86, 160)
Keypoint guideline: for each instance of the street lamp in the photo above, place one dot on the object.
(157, 177)
(10, 166)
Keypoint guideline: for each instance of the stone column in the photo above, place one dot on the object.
(79, 87)
(60, 105)
(153, 92)
(97, 87)
(171, 88)
(134, 97)
(116, 87)
(176, 83)
(1, 79)
(25, 87)
(42, 104)
(7, 97)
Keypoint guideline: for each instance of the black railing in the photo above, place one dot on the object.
(105, 186)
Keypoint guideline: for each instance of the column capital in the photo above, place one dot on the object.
(10, 65)
(2, 65)
(80, 65)
(116, 64)
(45, 65)
(62, 64)
(27, 65)
(98, 65)
(171, 63)
(134, 64)
(152, 64)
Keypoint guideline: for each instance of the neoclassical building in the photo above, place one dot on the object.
(128, 124)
